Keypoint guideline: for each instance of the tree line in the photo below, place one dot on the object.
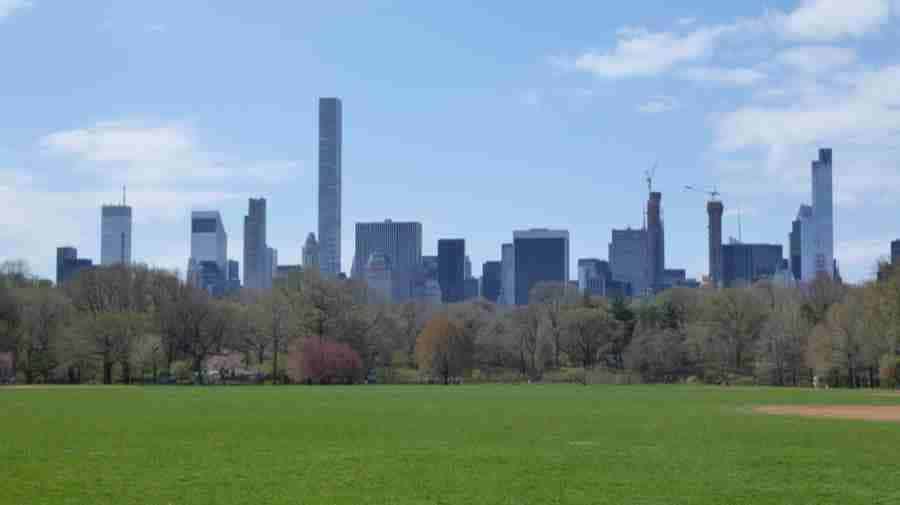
(126, 324)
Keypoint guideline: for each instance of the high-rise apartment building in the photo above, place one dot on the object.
(541, 255)
(715, 209)
(209, 241)
(628, 259)
(452, 269)
(744, 264)
(311, 253)
(823, 216)
(895, 252)
(806, 227)
(401, 244)
(68, 264)
(508, 274)
(795, 246)
(330, 145)
(468, 269)
(208, 263)
(491, 280)
(257, 264)
(115, 230)
(656, 250)
(272, 262)
(400, 241)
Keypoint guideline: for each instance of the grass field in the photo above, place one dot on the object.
(440, 445)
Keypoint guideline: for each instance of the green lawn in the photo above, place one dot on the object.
(441, 445)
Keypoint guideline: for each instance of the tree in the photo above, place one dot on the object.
(325, 362)
(44, 313)
(587, 333)
(783, 342)
(622, 313)
(554, 298)
(273, 313)
(443, 349)
(526, 329)
(411, 318)
(735, 320)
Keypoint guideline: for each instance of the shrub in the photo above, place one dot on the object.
(326, 362)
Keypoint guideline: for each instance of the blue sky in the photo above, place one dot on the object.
(474, 118)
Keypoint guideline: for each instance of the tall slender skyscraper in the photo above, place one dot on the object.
(115, 229)
(823, 214)
(656, 252)
(715, 209)
(257, 269)
(330, 141)
(508, 274)
(311, 253)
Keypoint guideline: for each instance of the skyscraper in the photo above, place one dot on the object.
(807, 237)
(330, 144)
(401, 242)
(257, 268)
(452, 269)
(491, 273)
(895, 252)
(272, 261)
(823, 214)
(68, 264)
(541, 256)
(656, 252)
(468, 268)
(744, 264)
(796, 249)
(208, 263)
(209, 241)
(628, 259)
(115, 229)
(508, 274)
(311, 253)
(715, 209)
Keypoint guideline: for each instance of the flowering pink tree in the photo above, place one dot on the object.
(326, 362)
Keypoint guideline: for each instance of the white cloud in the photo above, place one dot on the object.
(142, 152)
(9, 7)
(874, 97)
(639, 52)
(727, 76)
(686, 21)
(824, 20)
(658, 104)
(816, 59)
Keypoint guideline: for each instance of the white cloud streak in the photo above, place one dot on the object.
(9, 7)
(658, 105)
(828, 20)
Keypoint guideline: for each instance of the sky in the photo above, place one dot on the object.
(473, 118)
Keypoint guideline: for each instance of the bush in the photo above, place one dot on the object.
(326, 362)
(183, 372)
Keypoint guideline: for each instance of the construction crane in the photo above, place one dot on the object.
(714, 197)
(648, 176)
(713, 193)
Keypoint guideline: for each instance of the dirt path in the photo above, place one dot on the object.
(861, 412)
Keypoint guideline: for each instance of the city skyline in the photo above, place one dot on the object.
(63, 153)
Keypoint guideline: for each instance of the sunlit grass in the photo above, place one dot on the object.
(435, 444)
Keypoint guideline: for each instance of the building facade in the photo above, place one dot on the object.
(257, 266)
(807, 238)
(115, 231)
(311, 253)
(895, 252)
(796, 249)
(208, 262)
(330, 147)
(744, 264)
(491, 280)
(68, 264)
(452, 269)
(656, 249)
(714, 210)
(508, 274)
(541, 255)
(628, 259)
(823, 216)
(401, 244)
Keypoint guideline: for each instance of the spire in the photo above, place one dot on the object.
(123, 196)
